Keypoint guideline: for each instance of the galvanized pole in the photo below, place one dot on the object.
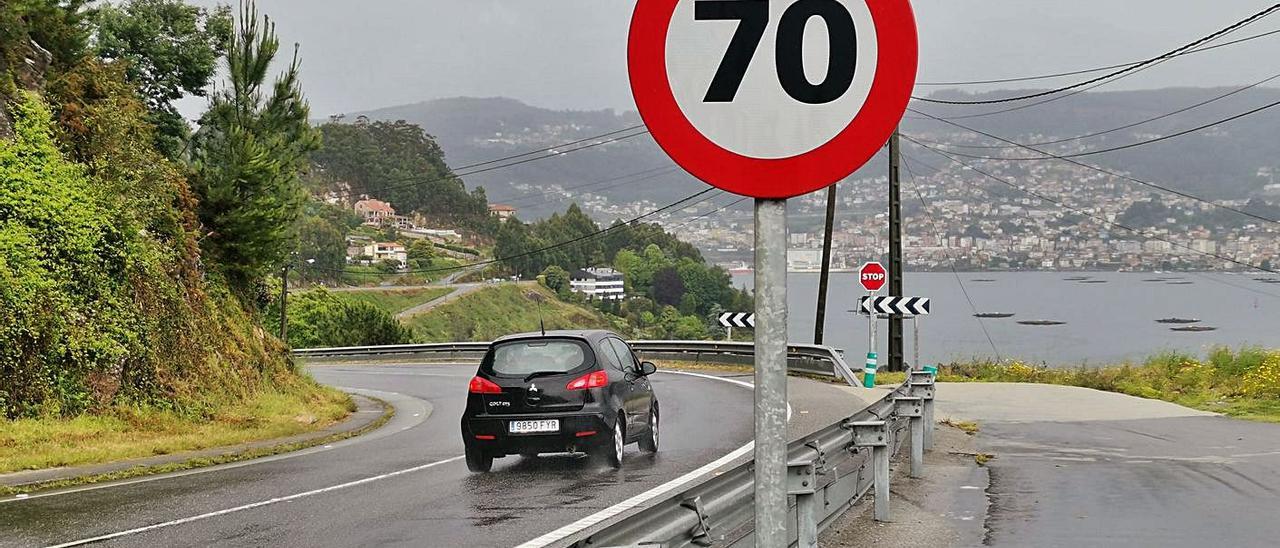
(284, 301)
(880, 470)
(771, 373)
(895, 252)
(820, 319)
(915, 342)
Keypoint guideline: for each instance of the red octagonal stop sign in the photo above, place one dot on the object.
(872, 276)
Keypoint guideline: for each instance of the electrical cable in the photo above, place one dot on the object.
(1102, 220)
(951, 260)
(1197, 274)
(1138, 66)
(459, 176)
(1111, 149)
(1092, 70)
(1068, 158)
(548, 149)
(1104, 132)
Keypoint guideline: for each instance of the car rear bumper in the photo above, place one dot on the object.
(578, 432)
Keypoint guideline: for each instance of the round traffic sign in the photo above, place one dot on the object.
(772, 98)
(872, 276)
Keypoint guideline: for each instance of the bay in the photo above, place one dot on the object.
(1110, 319)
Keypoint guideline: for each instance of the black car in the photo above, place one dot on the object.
(556, 392)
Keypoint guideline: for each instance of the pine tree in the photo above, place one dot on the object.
(247, 154)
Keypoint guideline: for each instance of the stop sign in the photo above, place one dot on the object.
(872, 276)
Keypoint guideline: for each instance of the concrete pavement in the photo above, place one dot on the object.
(1079, 467)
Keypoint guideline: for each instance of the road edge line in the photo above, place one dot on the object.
(666, 488)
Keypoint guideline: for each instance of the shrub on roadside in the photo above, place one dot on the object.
(1263, 381)
(319, 318)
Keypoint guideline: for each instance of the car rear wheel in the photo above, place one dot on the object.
(649, 443)
(612, 452)
(478, 461)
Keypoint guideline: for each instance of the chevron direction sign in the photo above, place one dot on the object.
(905, 306)
(738, 319)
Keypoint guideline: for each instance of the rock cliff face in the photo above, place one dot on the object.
(28, 75)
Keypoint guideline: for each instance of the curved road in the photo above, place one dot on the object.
(404, 484)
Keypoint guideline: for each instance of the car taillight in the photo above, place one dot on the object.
(595, 379)
(484, 386)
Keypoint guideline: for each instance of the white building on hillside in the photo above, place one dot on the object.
(598, 283)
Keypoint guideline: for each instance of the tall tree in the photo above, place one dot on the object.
(247, 154)
(170, 49)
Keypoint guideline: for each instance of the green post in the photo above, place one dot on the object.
(931, 369)
(869, 372)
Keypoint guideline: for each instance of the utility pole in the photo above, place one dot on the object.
(820, 318)
(284, 301)
(895, 251)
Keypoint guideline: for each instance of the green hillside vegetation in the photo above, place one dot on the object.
(492, 312)
(395, 301)
(131, 283)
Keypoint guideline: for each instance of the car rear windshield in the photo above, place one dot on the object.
(519, 358)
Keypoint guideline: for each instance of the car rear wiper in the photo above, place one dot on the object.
(537, 374)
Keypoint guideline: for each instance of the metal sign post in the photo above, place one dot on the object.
(771, 372)
(770, 130)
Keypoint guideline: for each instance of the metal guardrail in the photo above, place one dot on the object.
(810, 359)
(828, 472)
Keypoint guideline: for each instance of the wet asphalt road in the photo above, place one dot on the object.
(419, 504)
(1166, 482)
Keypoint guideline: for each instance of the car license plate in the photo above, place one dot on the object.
(529, 427)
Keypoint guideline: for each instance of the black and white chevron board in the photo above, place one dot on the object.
(738, 319)
(906, 306)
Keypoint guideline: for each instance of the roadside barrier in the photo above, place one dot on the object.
(809, 359)
(827, 471)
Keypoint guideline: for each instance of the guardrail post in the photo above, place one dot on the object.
(875, 434)
(922, 384)
(802, 482)
(913, 408)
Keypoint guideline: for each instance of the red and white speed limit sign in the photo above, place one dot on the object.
(772, 98)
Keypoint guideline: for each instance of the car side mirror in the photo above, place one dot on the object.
(647, 368)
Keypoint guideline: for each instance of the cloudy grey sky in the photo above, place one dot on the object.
(362, 54)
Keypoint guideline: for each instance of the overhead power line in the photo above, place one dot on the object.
(1083, 213)
(500, 166)
(1068, 159)
(1112, 130)
(1092, 70)
(951, 260)
(1137, 66)
(1104, 150)
(550, 148)
(634, 177)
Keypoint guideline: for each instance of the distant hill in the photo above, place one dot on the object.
(1223, 162)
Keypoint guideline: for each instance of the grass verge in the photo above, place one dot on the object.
(125, 432)
(395, 301)
(491, 312)
(1242, 383)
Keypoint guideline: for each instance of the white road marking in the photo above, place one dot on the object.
(369, 436)
(538, 542)
(258, 504)
(666, 488)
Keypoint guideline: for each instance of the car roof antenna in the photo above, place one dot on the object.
(538, 298)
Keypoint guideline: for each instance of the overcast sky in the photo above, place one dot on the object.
(363, 54)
